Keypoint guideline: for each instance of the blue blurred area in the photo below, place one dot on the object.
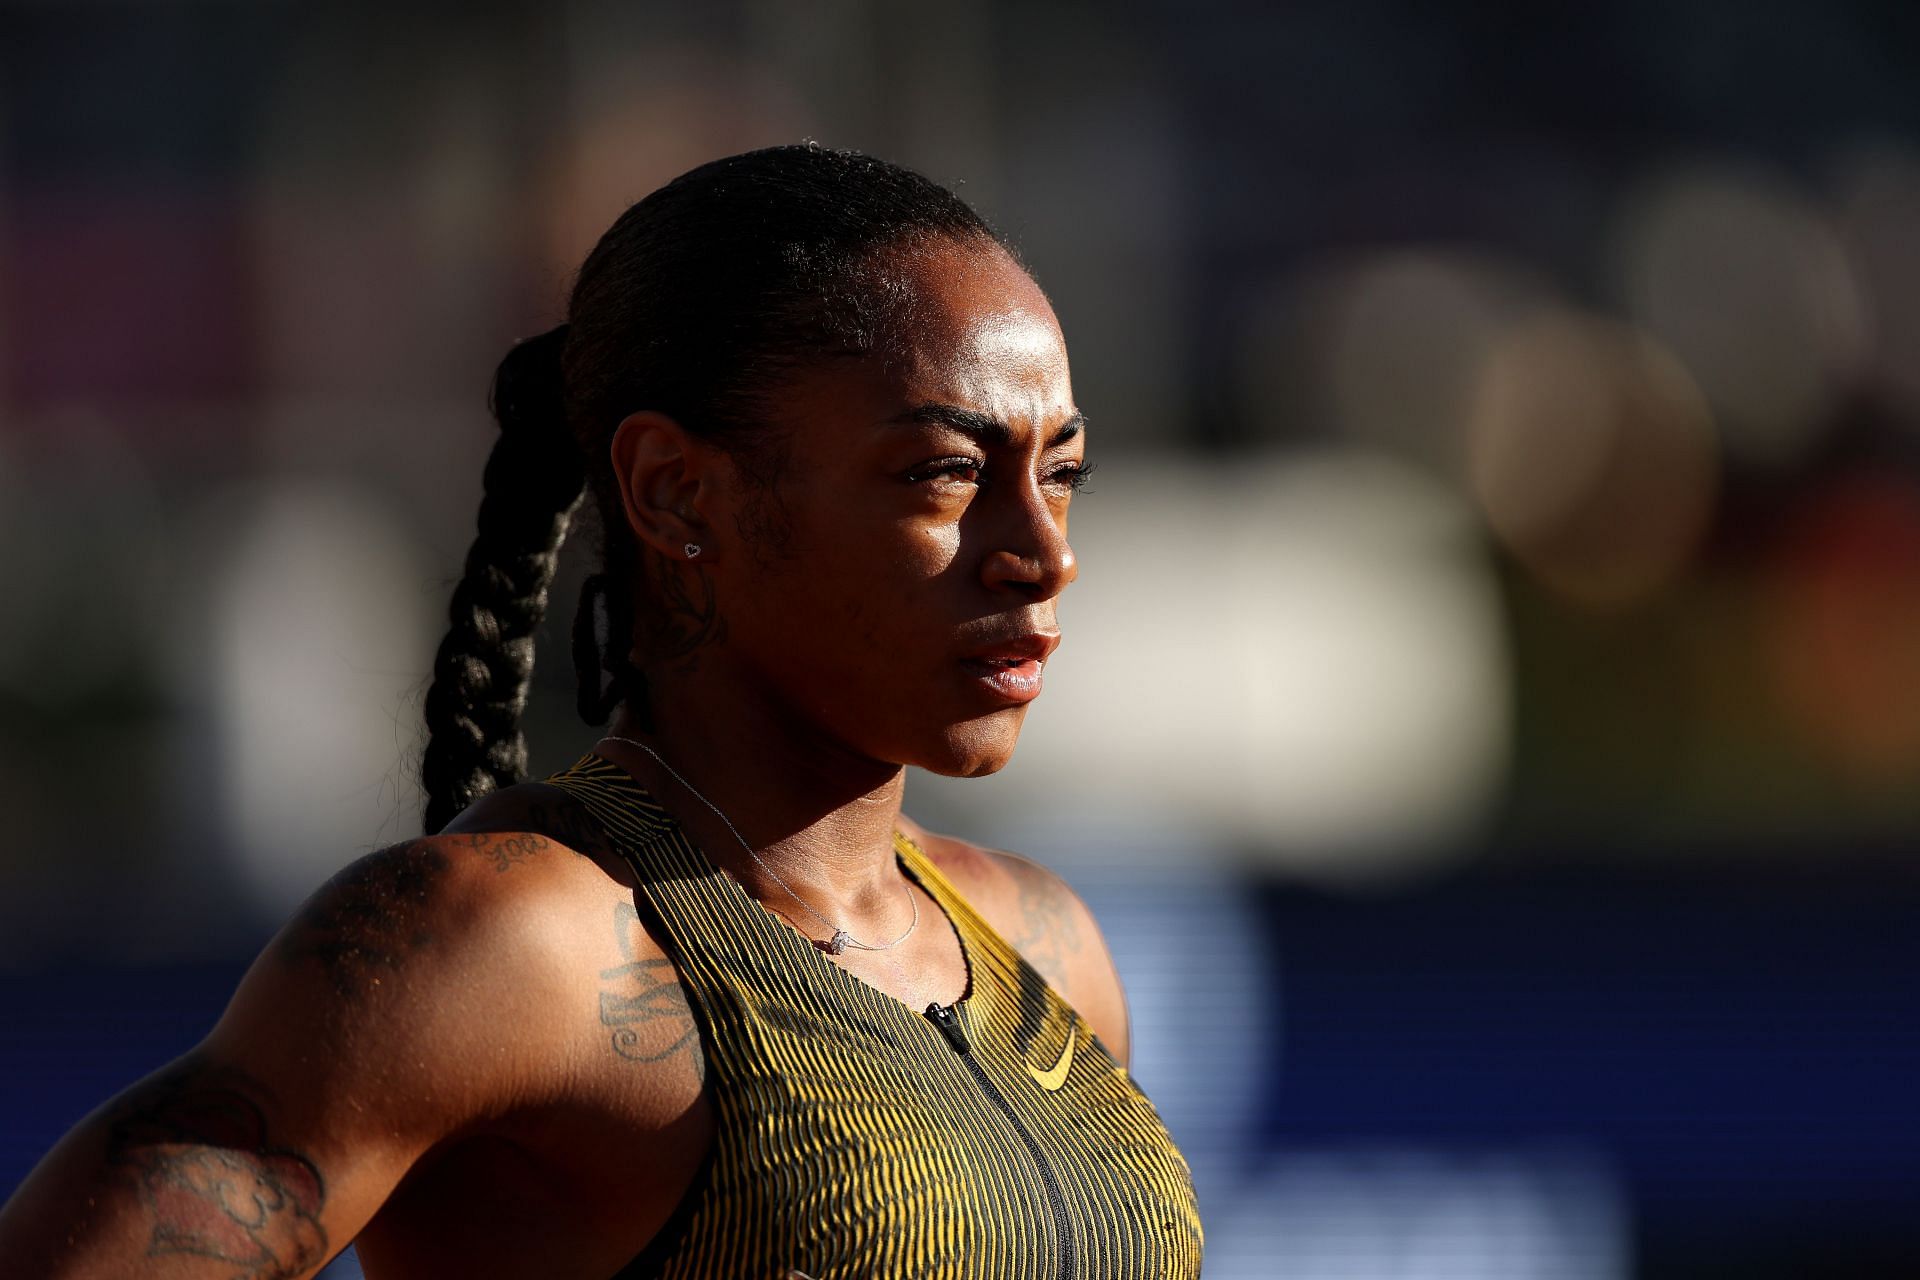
(74, 1037)
(1744, 1051)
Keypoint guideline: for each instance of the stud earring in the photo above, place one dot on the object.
(693, 549)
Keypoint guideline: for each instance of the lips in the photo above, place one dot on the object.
(1031, 646)
(1010, 670)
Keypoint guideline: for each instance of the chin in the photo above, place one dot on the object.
(975, 748)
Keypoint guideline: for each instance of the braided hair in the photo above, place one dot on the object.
(697, 302)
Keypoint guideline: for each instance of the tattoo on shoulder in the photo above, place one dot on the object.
(516, 824)
(215, 1184)
(505, 849)
(642, 1003)
(369, 918)
(1049, 928)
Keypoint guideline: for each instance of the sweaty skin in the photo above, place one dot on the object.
(466, 1053)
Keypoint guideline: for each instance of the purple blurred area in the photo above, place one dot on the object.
(1508, 432)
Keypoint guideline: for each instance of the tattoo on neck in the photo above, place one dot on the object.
(194, 1141)
(688, 621)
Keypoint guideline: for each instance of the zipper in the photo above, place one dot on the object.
(947, 1019)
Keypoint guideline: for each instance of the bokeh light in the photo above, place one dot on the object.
(1880, 209)
(1843, 626)
(1749, 285)
(322, 618)
(1371, 684)
(1592, 456)
(1381, 350)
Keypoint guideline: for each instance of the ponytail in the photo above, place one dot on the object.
(533, 481)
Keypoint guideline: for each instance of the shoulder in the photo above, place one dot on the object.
(403, 946)
(1037, 912)
(454, 898)
(498, 880)
(418, 952)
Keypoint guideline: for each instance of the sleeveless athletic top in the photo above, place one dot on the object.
(856, 1138)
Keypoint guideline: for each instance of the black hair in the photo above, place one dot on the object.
(696, 302)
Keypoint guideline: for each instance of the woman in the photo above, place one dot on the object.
(706, 1003)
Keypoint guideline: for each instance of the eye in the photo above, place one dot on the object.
(949, 466)
(1073, 475)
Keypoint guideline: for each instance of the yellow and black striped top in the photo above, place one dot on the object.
(857, 1138)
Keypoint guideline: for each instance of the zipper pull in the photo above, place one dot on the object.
(950, 1024)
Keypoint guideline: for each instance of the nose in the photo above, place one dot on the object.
(1030, 555)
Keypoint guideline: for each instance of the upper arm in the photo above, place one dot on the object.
(190, 1172)
(352, 1046)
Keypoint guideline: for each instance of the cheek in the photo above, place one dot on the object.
(871, 558)
(892, 585)
(852, 596)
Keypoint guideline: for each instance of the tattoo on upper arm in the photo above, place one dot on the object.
(1049, 926)
(642, 1002)
(369, 918)
(195, 1143)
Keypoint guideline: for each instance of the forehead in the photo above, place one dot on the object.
(976, 331)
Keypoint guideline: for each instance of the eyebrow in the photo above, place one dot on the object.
(985, 429)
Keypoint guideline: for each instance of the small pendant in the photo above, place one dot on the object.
(838, 944)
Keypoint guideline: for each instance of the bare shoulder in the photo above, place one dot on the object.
(1036, 911)
(417, 948)
(401, 949)
(495, 886)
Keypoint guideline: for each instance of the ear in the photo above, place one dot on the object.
(669, 479)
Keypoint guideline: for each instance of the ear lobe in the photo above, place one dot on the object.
(664, 474)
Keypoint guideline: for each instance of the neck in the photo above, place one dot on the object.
(821, 816)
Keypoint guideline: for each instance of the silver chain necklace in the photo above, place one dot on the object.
(841, 939)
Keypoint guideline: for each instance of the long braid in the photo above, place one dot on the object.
(533, 480)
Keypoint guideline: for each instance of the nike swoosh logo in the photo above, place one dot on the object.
(1052, 1080)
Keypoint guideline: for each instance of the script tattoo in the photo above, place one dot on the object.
(506, 827)
(642, 1002)
(505, 849)
(216, 1186)
(1050, 928)
(369, 918)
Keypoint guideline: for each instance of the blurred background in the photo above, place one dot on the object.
(1489, 724)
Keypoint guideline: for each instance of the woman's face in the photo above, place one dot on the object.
(926, 498)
